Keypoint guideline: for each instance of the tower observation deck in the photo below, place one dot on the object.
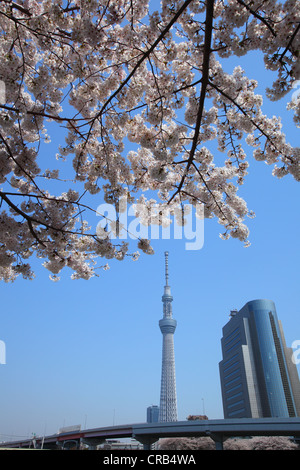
(168, 400)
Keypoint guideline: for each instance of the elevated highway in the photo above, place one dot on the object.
(148, 433)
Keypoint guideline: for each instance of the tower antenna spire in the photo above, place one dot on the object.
(167, 267)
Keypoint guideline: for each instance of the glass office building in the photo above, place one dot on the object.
(258, 377)
(152, 414)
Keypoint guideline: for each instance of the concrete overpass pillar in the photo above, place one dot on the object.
(147, 441)
(218, 440)
(91, 442)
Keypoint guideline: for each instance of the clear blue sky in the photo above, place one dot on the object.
(89, 352)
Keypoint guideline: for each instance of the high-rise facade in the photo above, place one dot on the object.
(258, 376)
(152, 414)
(168, 398)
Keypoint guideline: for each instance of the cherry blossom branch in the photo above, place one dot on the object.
(268, 25)
(32, 220)
(296, 53)
(28, 219)
(150, 78)
(257, 15)
(204, 84)
(141, 60)
(257, 126)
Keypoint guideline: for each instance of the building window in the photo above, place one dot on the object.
(234, 388)
(234, 396)
(234, 404)
(232, 373)
(241, 410)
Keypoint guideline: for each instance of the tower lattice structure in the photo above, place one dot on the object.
(168, 399)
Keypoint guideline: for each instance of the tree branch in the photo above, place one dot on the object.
(141, 60)
(239, 107)
(28, 219)
(204, 83)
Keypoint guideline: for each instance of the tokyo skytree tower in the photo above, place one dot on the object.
(168, 400)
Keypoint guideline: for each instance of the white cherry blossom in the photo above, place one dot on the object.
(132, 96)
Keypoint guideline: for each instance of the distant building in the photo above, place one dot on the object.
(152, 414)
(258, 376)
(112, 444)
(196, 417)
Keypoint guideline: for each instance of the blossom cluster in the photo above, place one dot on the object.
(140, 96)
